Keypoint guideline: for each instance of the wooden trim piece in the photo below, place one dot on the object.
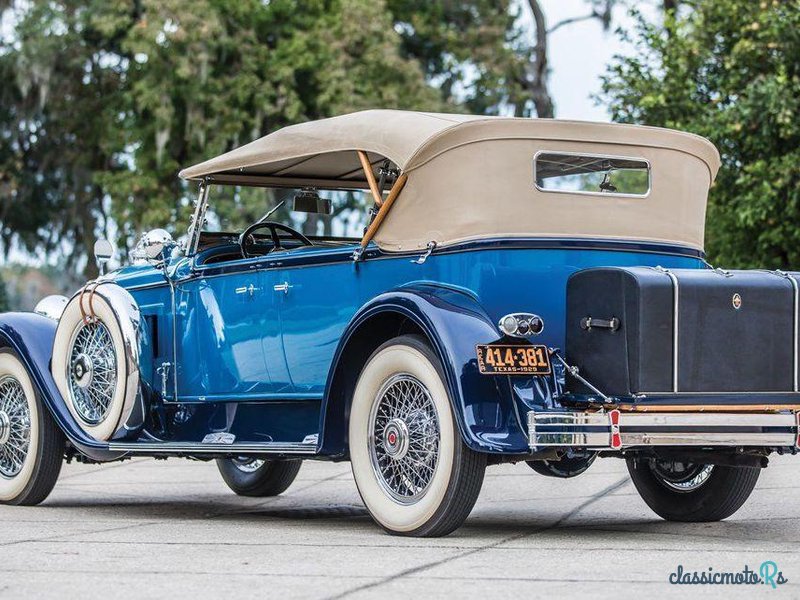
(699, 408)
(373, 185)
(384, 210)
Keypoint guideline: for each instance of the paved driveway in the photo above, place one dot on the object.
(171, 529)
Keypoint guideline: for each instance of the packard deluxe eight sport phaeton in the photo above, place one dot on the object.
(519, 290)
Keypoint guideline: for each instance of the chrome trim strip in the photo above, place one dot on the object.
(263, 397)
(143, 286)
(797, 440)
(562, 429)
(200, 448)
(796, 317)
(593, 430)
(675, 307)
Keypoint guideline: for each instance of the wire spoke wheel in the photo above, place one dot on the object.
(15, 427)
(404, 438)
(680, 476)
(248, 465)
(688, 492)
(92, 372)
(413, 471)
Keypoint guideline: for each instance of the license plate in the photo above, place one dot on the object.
(510, 359)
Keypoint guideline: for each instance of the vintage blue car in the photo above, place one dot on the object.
(524, 290)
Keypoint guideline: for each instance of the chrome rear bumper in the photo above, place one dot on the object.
(615, 430)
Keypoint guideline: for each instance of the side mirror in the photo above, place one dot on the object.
(309, 201)
(154, 246)
(103, 252)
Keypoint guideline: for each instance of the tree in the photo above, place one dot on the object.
(481, 56)
(4, 303)
(104, 100)
(727, 70)
(474, 52)
(57, 125)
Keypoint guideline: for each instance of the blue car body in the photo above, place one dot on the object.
(259, 355)
(523, 290)
(265, 365)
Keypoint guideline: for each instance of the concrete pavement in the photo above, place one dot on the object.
(171, 529)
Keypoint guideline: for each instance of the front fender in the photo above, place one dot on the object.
(454, 322)
(31, 336)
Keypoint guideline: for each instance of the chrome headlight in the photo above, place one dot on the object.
(154, 247)
(51, 307)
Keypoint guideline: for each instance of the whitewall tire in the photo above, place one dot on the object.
(413, 471)
(31, 445)
(89, 367)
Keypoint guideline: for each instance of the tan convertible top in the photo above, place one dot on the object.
(472, 176)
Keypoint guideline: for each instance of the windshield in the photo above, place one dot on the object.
(232, 208)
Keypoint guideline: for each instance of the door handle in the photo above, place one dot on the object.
(250, 289)
(282, 287)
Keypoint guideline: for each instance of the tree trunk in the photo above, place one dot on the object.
(87, 229)
(536, 82)
(310, 224)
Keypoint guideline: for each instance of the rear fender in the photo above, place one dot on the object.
(453, 322)
(31, 336)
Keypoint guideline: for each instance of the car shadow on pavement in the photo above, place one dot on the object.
(207, 508)
(321, 512)
(739, 529)
(482, 525)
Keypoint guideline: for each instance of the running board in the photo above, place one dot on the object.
(615, 430)
(192, 448)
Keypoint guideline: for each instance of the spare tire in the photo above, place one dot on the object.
(96, 359)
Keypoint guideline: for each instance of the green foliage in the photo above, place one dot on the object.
(728, 70)
(4, 303)
(105, 100)
(474, 51)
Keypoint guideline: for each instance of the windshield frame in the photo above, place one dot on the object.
(198, 220)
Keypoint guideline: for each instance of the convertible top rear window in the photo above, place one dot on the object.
(591, 174)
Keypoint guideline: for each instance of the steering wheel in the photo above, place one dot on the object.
(247, 236)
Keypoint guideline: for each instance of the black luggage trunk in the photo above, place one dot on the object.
(736, 331)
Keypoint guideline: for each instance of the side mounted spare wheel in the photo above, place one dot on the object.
(96, 359)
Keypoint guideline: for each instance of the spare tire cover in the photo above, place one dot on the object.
(95, 359)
